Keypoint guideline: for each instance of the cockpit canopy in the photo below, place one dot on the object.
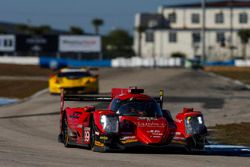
(133, 107)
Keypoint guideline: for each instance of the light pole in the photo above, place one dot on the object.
(231, 29)
(203, 5)
(152, 25)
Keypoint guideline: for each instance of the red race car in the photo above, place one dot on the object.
(131, 119)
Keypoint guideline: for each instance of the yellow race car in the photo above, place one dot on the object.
(74, 80)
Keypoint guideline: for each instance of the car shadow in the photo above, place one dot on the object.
(210, 150)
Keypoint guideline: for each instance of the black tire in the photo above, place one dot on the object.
(92, 138)
(195, 144)
(65, 133)
(93, 147)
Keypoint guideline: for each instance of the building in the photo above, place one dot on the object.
(179, 30)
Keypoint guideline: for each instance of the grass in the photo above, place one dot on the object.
(23, 70)
(237, 134)
(21, 88)
(237, 73)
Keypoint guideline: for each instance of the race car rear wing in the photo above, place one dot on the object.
(98, 98)
(87, 98)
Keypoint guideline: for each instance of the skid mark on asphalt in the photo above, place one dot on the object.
(30, 115)
(208, 102)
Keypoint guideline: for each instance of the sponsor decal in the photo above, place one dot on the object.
(38, 43)
(99, 144)
(129, 141)
(178, 138)
(147, 118)
(79, 43)
(103, 137)
(155, 132)
(128, 137)
(155, 137)
(150, 124)
(75, 115)
(87, 135)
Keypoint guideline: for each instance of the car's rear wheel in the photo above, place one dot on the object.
(92, 138)
(65, 132)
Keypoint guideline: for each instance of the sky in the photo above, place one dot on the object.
(61, 14)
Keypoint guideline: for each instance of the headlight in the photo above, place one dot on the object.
(194, 125)
(109, 123)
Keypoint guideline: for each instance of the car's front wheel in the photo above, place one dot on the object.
(196, 143)
(93, 141)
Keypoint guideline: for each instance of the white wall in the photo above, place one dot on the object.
(184, 17)
(19, 60)
(161, 47)
(184, 28)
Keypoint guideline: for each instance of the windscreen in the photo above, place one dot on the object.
(137, 108)
(74, 74)
(194, 125)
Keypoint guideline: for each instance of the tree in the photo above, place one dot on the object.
(96, 24)
(118, 43)
(22, 28)
(40, 30)
(76, 30)
(2, 30)
(244, 35)
(178, 55)
(140, 30)
(45, 29)
(34, 30)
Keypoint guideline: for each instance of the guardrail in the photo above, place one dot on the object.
(49, 62)
(147, 62)
(242, 63)
(19, 60)
(55, 63)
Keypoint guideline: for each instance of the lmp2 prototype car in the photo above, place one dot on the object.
(74, 80)
(132, 119)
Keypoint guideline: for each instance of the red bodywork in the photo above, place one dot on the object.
(132, 130)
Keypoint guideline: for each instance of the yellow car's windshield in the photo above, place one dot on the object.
(74, 74)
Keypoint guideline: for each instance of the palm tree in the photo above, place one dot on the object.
(140, 30)
(96, 24)
(244, 35)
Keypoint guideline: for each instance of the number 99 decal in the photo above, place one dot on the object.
(87, 135)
